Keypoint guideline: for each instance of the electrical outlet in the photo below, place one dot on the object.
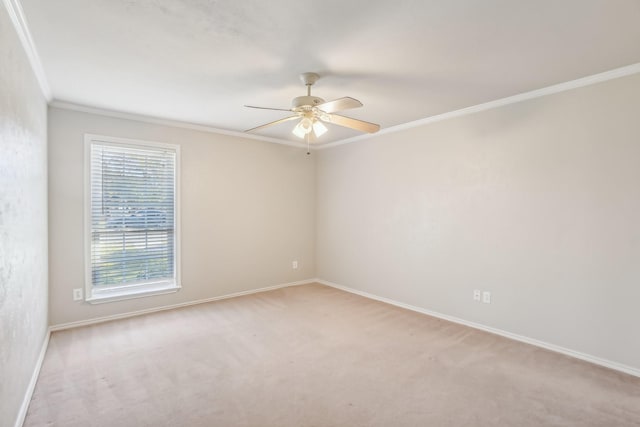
(294, 265)
(77, 294)
(486, 297)
(476, 295)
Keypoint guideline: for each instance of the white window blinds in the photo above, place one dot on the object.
(133, 215)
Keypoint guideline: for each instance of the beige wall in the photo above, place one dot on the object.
(247, 207)
(537, 202)
(23, 222)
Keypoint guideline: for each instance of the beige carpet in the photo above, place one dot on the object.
(315, 356)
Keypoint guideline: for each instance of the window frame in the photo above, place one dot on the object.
(149, 288)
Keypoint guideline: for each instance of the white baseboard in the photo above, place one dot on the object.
(62, 326)
(32, 383)
(556, 348)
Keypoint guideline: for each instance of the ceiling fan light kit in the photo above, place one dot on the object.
(308, 125)
(313, 111)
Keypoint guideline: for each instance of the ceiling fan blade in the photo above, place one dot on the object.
(286, 119)
(339, 104)
(356, 124)
(267, 108)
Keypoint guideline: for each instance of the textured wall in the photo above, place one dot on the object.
(247, 210)
(537, 202)
(23, 221)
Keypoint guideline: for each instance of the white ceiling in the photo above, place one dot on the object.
(200, 61)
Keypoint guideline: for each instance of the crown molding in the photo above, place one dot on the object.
(18, 19)
(16, 14)
(167, 122)
(549, 90)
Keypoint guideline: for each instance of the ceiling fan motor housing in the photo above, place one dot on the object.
(304, 103)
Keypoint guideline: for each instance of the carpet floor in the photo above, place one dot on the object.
(312, 355)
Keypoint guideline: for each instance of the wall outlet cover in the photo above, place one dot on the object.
(486, 297)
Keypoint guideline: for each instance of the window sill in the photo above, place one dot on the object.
(111, 295)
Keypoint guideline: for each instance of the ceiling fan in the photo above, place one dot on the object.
(313, 111)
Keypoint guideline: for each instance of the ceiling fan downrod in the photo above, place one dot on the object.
(309, 79)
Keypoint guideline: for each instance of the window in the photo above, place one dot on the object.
(132, 232)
